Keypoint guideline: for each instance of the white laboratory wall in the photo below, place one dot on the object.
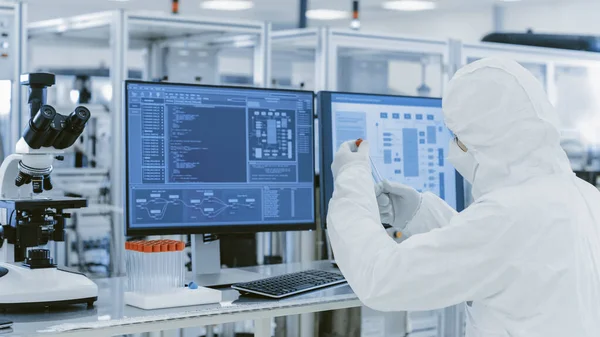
(62, 56)
(405, 78)
(303, 72)
(567, 17)
(236, 65)
(45, 56)
(471, 25)
(468, 25)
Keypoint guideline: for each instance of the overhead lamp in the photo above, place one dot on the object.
(327, 14)
(227, 5)
(409, 5)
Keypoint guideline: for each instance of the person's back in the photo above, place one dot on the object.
(551, 283)
(525, 256)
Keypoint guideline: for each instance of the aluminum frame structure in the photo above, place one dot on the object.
(327, 43)
(18, 11)
(121, 31)
(547, 57)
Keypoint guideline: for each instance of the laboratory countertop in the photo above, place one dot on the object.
(110, 315)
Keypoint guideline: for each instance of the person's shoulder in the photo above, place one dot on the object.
(527, 194)
(528, 201)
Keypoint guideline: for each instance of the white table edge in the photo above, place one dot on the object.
(260, 318)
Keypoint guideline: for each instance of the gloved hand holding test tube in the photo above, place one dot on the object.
(374, 171)
(378, 179)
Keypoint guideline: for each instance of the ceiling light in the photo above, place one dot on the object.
(227, 5)
(326, 14)
(409, 5)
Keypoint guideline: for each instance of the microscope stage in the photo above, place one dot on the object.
(43, 203)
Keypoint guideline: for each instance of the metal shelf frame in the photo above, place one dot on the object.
(18, 11)
(121, 31)
(328, 42)
(549, 58)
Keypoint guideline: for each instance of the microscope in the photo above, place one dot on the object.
(28, 218)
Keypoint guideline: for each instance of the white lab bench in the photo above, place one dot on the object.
(110, 316)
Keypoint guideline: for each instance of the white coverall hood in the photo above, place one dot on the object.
(502, 114)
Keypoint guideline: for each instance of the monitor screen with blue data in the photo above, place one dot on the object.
(210, 159)
(407, 136)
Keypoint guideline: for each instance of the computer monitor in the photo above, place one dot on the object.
(213, 159)
(407, 136)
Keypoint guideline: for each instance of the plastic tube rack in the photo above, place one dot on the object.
(156, 276)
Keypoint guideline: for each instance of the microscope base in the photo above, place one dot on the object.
(22, 287)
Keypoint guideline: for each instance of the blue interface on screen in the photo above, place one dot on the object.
(407, 137)
(218, 156)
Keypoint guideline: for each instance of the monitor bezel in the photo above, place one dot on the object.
(210, 229)
(324, 114)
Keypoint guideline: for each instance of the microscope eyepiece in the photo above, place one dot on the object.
(50, 129)
(36, 132)
(74, 125)
(42, 120)
(82, 113)
(56, 128)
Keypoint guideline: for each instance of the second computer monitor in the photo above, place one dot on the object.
(407, 136)
(207, 159)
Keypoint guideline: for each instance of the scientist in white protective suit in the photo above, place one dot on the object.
(525, 256)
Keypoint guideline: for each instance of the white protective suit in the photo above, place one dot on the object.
(525, 256)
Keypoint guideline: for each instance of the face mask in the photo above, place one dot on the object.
(464, 162)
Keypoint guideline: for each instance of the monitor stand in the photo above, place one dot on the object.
(206, 265)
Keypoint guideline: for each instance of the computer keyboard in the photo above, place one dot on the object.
(290, 284)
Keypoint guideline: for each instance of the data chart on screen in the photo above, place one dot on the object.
(407, 136)
(205, 156)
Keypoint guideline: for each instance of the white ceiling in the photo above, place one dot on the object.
(283, 13)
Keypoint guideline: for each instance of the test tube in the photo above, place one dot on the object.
(145, 278)
(180, 263)
(172, 260)
(374, 171)
(164, 262)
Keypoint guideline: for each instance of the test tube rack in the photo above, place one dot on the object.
(156, 277)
